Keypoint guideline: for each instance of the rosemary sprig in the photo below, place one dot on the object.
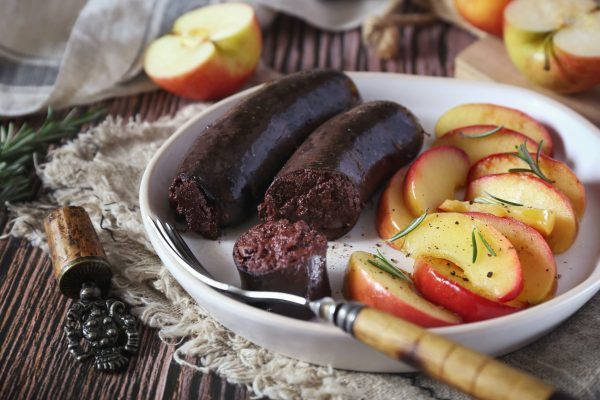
(409, 228)
(483, 134)
(385, 265)
(18, 148)
(495, 200)
(534, 165)
(485, 243)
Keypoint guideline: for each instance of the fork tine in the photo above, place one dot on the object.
(184, 248)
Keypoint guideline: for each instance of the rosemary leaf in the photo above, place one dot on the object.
(480, 135)
(486, 244)
(501, 200)
(411, 227)
(534, 167)
(19, 146)
(474, 244)
(395, 270)
(495, 200)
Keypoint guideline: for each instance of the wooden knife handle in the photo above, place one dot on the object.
(474, 373)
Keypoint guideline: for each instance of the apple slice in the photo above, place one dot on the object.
(210, 53)
(532, 192)
(537, 260)
(450, 236)
(370, 285)
(476, 148)
(443, 283)
(555, 44)
(392, 214)
(493, 114)
(539, 219)
(563, 178)
(434, 177)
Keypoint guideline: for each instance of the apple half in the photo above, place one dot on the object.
(450, 236)
(494, 114)
(564, 179)
(443, 283)
(555, 44)
(370, 285)
(210, 53)
(434, 177)
(532, 192)
(466, 138)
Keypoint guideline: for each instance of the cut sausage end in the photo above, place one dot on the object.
(327, 200)
(191, 203)
(283, 256)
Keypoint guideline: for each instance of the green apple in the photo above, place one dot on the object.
(555, 44)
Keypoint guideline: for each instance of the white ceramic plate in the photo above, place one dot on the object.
(579, 268)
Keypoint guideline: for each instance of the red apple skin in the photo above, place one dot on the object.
(486, 15)
(369, 285)
(494, 114)
(534, 192)
(502, 141)
(537, 261)
(440, 289)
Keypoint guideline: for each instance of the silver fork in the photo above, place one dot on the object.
(473, 373)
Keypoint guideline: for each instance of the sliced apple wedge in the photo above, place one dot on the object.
(564, 179)
(555, 44)
(434, 177)
(370, 285)
(532, 192)
(537, 260)
(493, 114)
(450, 236)
(210, 52)
(539, 219)
(443, 283)
(476, 148)
(392, 214)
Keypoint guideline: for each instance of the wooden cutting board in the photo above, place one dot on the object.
(487, 60)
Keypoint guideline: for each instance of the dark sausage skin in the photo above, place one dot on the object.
(338, 168)
(228, 168)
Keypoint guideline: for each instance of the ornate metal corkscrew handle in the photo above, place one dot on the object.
(96, 328)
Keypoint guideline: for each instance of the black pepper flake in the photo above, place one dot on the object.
(393, 260)
(453, 273)
(407, 254)
(559, 276)
(465, 279)
(456, 223)
(377, 244)
(490, 274)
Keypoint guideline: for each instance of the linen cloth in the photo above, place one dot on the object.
(76, 51)
(101, 171)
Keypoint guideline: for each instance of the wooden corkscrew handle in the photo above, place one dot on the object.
(474, 373)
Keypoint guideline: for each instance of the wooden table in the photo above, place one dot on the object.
(34, 362)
